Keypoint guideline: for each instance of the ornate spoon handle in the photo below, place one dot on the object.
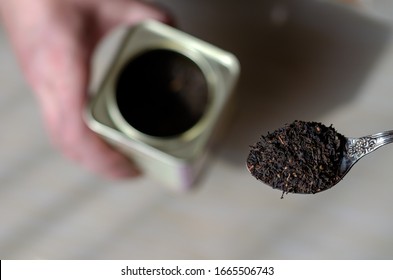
(359, 147)
(356, 148)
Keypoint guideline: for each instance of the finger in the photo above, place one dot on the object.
(63, 72)
(95, 154)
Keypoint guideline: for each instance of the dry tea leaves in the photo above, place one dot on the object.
(301, 157)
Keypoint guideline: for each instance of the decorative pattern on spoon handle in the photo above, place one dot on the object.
(359, 147)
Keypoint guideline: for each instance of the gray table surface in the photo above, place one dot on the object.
(308, 60)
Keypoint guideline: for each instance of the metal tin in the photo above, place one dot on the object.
(174, 159)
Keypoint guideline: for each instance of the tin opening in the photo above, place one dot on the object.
(162, 93)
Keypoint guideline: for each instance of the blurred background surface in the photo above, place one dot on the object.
(311, 60)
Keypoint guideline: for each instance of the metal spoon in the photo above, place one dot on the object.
(356, 148)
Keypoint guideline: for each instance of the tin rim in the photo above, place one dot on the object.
(188, 135)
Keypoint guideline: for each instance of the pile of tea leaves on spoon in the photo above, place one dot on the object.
(301, 157)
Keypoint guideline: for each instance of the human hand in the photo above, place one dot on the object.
(54, 41)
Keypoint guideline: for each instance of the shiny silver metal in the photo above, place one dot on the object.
(356, 148)
(174, 161)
